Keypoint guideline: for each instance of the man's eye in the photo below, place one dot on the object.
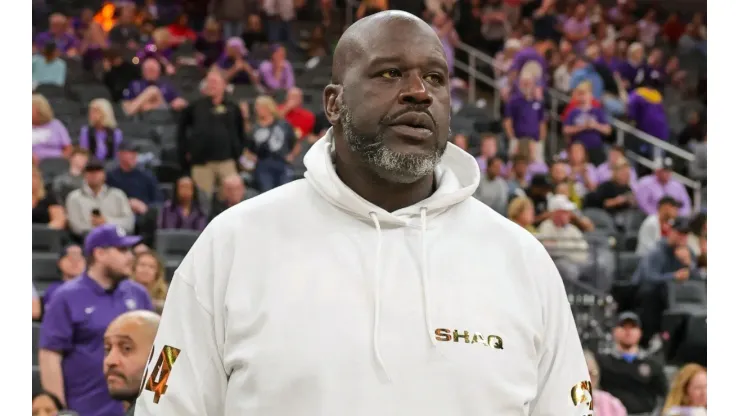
(391, 73)
(434, 78)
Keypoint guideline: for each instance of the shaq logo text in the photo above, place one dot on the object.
(456, 335)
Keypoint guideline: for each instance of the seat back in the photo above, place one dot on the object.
(690, 292)
(174, 244)
(601, 219)
(44, 267)
(45, 239)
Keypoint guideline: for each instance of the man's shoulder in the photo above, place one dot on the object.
(69, 289)
(276, 204)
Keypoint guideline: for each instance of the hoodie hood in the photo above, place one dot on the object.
(457, 178)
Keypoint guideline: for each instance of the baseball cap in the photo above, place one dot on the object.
(628, 316)
(681, 225)
(540, 180)
(127, 146)
(109, 235)
(665, 163)
(94, 165)
(669, 200)
(560, 203)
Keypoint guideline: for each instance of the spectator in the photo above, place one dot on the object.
(139, 185)
(492, 188)
(577, 29)
(445, 28)
(273, 140)
(71, 264)
(101, 136)
(692, 132)
(460, 140)
(232, 193)
(608, 56)
(35, 304)
(632, 70)
(231, 14)
(96, 204)
(277, 73)
(370, 7)
(302, 120)
(580, 172)
(604, 403)
(605, 171)
(629, 374)
(317, 45)
(280, 17)
(521, 211)
(209, 45)
(236, 66)
(149, 272)
(180, 31)
(698, 235)
(46, 404)
(184, 211)
(488, 149)
(47, 68)
(615, 196)
(533, 57)
(519, 177)
(151, 92)
(50, 138)
(563, 240)
(58, 34)
(563, 74)
(524, 119)
(125, 34)
(46, 209)
(688, 393)
(127, 344)
(698, 168)
(255, 35)
(645, 109)
(72, 179)
(587, 124)
(649, 28)
(118, 73)
(673, 28)
(159, 49)
(211, 134)
(650, 189)
(560, 180)
(657, 226)
(545, 21)
(503, 61)
(71, 344)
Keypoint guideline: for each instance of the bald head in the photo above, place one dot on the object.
(140, 320)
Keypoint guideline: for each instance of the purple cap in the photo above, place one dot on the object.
(109, 235)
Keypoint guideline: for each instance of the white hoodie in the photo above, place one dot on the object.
(310, 301)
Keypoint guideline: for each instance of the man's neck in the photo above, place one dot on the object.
(217, 99)
(628, 350)
(126, 168)
(99, 277)
(96, 190)
(491, 176)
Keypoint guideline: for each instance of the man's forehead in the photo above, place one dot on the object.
(129, 328)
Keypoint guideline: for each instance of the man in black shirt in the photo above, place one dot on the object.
(210, 137)
(119, 73)
(628, 373)
(615, 195)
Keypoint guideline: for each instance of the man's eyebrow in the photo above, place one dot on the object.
(432, 61)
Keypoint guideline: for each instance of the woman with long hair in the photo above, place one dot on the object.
(45, 209)
(183, 211)
(149, 272)
(101, 136)
(237, 68)
(521, 211)
(688, 393)
(49, 137)
(45, 404)
(209, 45)
(277, 72)
(272, 142)
(47, 68)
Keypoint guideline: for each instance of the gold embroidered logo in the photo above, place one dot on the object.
(456, 335)
(581, 396)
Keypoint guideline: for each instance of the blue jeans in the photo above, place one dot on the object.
(271, 173)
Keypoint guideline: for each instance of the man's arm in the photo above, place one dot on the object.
(56, 335)
(646, 236)
(125, 217)
(79, 221)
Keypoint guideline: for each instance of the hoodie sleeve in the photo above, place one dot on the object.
(185, 375)
(564, 387)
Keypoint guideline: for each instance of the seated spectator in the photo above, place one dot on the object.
(605, 171)
(524, 119)
(561, 181)
(628, 373)
(49, 137)
(35, 304)
(118, 73)
(69, 181)
(180, 31)
(151, 92)
(277, 72)
(688, 393)
(125, 33)
(648, 28)
(160, 50)
(317, 45)
(47, 68)
(615, 196)
(148, 271)
(370, 7)
(563, 240)
(96, 204)
(292, 111)
(580, 171)
(577, 29)
(445, 28)
(71, 264)
(587, 124)
(210, 134)
(492, 189)
(237, 68)
(521, 212)
(460, 140)
(139, 185)
(503, 60)
(272, 142)
(81, 23)
(58, 34)
(698, 168)
(46, 404)
(101, 136)
(645, 108)
(538, 192)
(563, 74)
(650, 189)
(698, 235)
(526, 168)
(46, 208)
(692, 132)
(232, 192)
(657, 226)
(604, 403)
(209, 45)
(533, 56)
(184, 211)
(609, 57)
(632, 70)
(94, 41)
(254, 35)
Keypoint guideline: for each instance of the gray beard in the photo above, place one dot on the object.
(392, 166)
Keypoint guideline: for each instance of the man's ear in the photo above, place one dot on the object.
(332, 103)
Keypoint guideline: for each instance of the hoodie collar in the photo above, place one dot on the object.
(457, 178)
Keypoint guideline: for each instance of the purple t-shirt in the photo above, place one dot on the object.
(632, 74)
(64, 42)
(612, 63)
(50, 139)
(286, 80)
(526, 116)
(590, 138)
(151, 51)
(649, 191)
(74, 324)
(241, 77)
(577, 26)
(172, 216)
(604, 173)
(138, 86)
(101, 141)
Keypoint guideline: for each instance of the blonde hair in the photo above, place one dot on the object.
(269, 102)
(43, 108)
(158, 288)
(677, 394)
(105, 107)
(39, 193)
(161, 35)
(584, 86)
(518, 205)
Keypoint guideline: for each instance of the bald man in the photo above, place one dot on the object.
(128, 343)
(378, 285)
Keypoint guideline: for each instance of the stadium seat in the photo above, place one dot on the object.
(35, 342)
(170, 266)
(166, 189)
(134, 129)
(627, 241)
(627, 263)
(175, 244)
(601, 219)
(45, 239)
(157, 117)
(53, 166)
(44, 267)
(690, 292)
(36, 380)
(633, 218)
(50, 91)
(167, 173)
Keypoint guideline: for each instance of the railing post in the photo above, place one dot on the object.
(553, 133)
(620, 137)
(471, 77)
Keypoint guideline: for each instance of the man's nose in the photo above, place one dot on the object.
(415, 92)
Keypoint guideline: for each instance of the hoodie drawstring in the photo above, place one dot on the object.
(424, 287)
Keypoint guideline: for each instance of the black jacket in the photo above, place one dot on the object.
(210, 133)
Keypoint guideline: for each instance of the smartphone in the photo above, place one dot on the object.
(96, 212)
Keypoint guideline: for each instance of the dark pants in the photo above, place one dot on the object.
(279, 31)
(652, 301)
(271, 173)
